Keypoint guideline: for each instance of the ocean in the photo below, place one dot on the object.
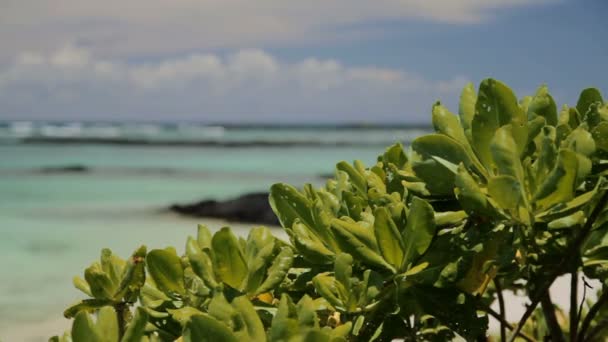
(68, 189)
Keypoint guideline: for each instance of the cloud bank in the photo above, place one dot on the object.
(117, 28)
(245, 86)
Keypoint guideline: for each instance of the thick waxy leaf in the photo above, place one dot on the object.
(309, 245)
(112, 265)
(285, 322)
(581, 141)
(543, 105)
(99, 282)
(277, 271)
(165, 267)
(203, 237)
(201, 263)
(82, 285)
(587, 98)
(258, 253)
(395, 155)
(504, 153)
(107, 324)
(135, 329)
(230, 262)
(496, 106)
(359, 243)
(439, 145)
(446, 218)
(419, 230)
(570, 221)
(357, 178)
(559, 184)
(289, 204)
(204, 328)
(253, 329)
(388, 237)
(84, 330)
(87, 305)
(600, 134)
(505, 190)
(448, 124)
(466, 108)
(133, 276)
(469, 195)
(332, 290)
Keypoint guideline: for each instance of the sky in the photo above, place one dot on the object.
(278, 61)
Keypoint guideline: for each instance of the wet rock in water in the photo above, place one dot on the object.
(64, 169)
(250, 208)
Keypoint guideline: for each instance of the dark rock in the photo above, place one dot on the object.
(65, 169)
(250, 208)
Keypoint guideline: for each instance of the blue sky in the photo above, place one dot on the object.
(276, 61)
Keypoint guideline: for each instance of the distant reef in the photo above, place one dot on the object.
(250, 208)
(193, 143)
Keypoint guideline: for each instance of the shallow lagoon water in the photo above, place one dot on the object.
(54, 224)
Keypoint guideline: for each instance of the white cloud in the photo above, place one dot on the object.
(120, 28)
(246, 85)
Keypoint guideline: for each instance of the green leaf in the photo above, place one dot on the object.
(82, 285)
(332, 290)
(165, 267)
(359, 242)
(505, 190)
(204, 328)
(469, 195)
(496, 106)
(133, 277)
(100, 284)
(570, 221)
(505, 155)
(587, 98)
(285, 323)
(84, 330)
(289, 204)
(107, 324)
(559, 184)
(419, 231)
(112, 265)
(543, 105)
(309, 245)
(230, 262)
(466, 108)
(388, 237)
(87, 305)
(253, 329)
(201, 263)
(357, 178)
(439, 145)
(258, 254)
(135, 329)
(448, 124)
(395, 155)
(600, 134)
(277, 271)
(203, 237)
(448, 218)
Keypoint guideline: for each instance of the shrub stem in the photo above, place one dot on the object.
(572, 250)
(550, 319)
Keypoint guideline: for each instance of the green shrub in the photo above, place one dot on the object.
(504, 196)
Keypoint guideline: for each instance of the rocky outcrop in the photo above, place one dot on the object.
(250, 208)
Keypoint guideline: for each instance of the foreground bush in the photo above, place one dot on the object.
(507, 195)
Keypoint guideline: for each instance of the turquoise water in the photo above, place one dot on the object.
(53, 224)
